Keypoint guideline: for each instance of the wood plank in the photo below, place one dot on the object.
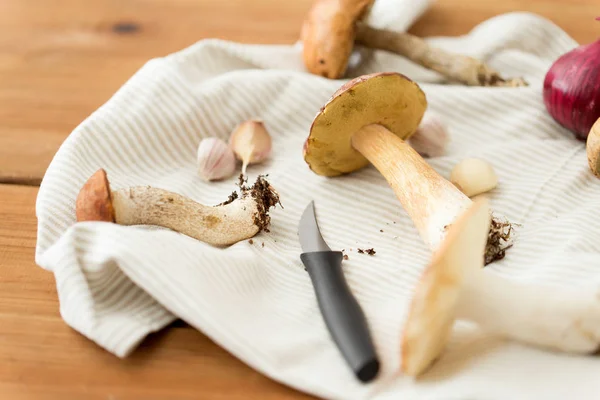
(457, 17)
(61, 59)
(42, 358)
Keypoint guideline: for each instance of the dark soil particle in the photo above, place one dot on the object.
(498, 241)
(346, 257)
(232, 197)
(251, 241)
(264, 195)
(370, 252)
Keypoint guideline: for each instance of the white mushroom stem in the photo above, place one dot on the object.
(557, 318)
(432, 202)
(219, 226)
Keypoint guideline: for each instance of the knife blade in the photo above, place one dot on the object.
(341, 311)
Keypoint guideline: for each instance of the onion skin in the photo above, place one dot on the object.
(572, 89)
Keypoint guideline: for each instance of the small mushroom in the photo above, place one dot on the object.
(366, 121)
(454, 286)
(235, 220)
(332, 26)
(593, 148)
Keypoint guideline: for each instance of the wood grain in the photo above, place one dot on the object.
(61, 59)
(457, 17)
(42, 358)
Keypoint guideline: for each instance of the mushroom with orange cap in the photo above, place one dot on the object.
(331, 28)
(241, 217)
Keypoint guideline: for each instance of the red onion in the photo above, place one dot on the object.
(572, 89)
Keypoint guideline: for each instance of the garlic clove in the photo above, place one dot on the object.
(431, 138)
(215, 159)
(250, 142)
(474, 176)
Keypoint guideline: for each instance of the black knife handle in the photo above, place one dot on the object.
(342, 313)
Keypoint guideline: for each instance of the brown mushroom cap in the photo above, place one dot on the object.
(593, 148)
(328, 35)
(94, 202)
(433, 307)
(389, 99)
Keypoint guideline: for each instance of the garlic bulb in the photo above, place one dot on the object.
(250, 142)
(215, 159)
(431, 138)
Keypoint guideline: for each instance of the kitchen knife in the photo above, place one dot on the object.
(343, 316)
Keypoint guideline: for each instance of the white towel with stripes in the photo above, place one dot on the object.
(117, 284)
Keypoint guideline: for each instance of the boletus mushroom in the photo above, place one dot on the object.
(367, 121)
(455, 286)
(593, 148)
(333, 26)
(241, 217)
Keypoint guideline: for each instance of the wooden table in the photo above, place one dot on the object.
(59, 61)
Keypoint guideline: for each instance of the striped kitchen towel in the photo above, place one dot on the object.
(116, 284)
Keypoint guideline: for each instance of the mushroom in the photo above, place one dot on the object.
(237, 219)
(332, 26)
(367, 120)
(593, 148)
(455, 286)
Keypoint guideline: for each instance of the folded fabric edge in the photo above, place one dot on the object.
(120, 333)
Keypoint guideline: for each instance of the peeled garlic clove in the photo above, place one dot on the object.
(474, 176)
(215, 159)
(431, 138)
(250, 142)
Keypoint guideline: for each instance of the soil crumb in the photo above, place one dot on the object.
(251, 241)
(265, 197)
(263, 194)
(370, 252)
(232, 197)
(346, 257)
(499, 240)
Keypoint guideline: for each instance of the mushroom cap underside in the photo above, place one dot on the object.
(389, 99)
(94, 201)
(433, 307)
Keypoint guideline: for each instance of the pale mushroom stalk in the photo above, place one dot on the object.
(454, 286)
(456, 67)
(368, 120)
(222, 225)
(432, 202)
